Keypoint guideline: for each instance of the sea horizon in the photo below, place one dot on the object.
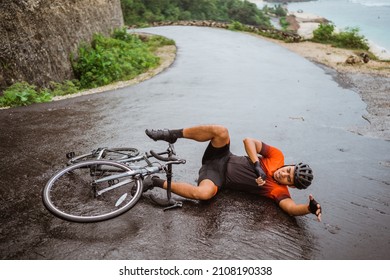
(371, 17)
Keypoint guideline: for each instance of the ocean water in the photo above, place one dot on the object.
(372, 17)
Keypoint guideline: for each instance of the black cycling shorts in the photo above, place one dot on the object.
(214, 163)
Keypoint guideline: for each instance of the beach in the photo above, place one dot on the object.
(370, 80)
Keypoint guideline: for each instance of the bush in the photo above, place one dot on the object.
(283, 23)
(349, 38)
(67, 87)
(280, 11)
(22, 94)
(277, 10)
(154, 42)
(237, 26)
(107, 60)
(324, 33)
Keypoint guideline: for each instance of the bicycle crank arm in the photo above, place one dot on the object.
(115, 176)
(124, 182)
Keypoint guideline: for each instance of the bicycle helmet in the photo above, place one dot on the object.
(303, 175)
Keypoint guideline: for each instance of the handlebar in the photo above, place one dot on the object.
(169, 159)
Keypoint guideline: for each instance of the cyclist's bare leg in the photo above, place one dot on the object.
(217, 134)
(219, 137)
(206, 189)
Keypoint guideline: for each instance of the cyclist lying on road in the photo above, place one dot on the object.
(265, 175)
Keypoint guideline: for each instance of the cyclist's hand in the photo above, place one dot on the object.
(259, 172)
(260, 182)
(315, 207)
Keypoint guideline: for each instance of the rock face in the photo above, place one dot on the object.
(37, 37)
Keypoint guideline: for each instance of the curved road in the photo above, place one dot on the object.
(256, 89)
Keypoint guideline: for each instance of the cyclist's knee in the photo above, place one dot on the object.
(221, 131)
(206, 190)
(221, 135)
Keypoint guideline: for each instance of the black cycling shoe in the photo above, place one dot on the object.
(161, 134)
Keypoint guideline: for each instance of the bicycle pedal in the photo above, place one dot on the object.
(175, 205)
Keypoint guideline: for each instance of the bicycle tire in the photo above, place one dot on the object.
(70, 194)
(115, 154)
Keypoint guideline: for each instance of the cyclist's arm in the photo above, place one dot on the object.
(252, 148)
(290, 207)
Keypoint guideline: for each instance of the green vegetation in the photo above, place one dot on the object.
(107, 59)
(238, 26)
(22, 94)
(64, 88)
(283, 23)
(349, 39)
(277, 10)
(142, 12)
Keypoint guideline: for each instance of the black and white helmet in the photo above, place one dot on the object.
(303, 175)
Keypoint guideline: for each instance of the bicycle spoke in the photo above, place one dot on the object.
(120, 200)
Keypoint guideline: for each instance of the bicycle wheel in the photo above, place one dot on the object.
(92, 191)
(116, 154)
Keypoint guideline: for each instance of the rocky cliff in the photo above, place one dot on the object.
(38, 36)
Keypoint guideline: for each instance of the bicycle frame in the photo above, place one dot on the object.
(144, 171)
(137, 172)
(144, 157)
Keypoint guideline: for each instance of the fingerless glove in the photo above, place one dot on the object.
(259, 172)
(313, 207)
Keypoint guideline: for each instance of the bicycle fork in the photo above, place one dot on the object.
(171, 203)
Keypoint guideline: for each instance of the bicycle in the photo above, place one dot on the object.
(106, 183)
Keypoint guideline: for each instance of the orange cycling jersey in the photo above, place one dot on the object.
(240, 174)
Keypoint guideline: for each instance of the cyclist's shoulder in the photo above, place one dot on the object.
(270, 151)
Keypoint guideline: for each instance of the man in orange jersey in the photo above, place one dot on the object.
(261, 171)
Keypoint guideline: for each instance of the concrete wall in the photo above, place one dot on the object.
(38, 36)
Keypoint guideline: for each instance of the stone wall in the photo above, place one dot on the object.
(38, 36)
(289, 36)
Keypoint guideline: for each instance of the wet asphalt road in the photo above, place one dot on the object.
(256, 89)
